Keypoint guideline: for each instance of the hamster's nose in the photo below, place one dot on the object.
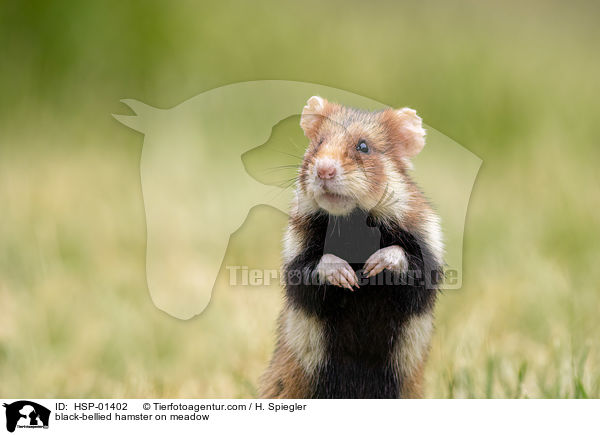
(326, 170)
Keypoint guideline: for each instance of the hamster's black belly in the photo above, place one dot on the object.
(361, 327)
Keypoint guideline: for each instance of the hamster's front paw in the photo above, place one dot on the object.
(391, 258)
(336, 271)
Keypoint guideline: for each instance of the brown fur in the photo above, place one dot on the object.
(413, 386)
(393, 136)
(285, 378)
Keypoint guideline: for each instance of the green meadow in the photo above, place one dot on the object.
(516, 83)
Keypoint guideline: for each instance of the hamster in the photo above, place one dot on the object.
(362, 261)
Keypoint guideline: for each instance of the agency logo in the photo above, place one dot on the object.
(24, 414)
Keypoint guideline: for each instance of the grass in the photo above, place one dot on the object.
(515, 85)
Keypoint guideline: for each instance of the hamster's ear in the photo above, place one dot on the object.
(406, 130)
(312, 115)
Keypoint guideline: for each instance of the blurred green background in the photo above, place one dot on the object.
(514, 82)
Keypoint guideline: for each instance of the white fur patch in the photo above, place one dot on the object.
(413, 344)
(310, 114)
(433, 236)
(413, 128)
(292, 241)
(304, 204)
(396, 197)
(292, 245)
(304, 336)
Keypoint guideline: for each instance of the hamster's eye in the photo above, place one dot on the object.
(362, 147)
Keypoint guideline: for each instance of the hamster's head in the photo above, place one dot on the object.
(357, 158)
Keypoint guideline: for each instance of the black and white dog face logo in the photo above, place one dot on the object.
(25, 413)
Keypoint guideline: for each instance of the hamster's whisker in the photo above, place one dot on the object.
(289, 154)
(296, 145)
